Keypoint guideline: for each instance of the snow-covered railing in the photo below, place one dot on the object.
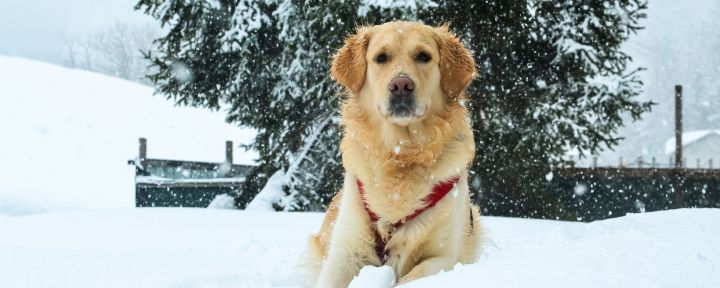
(176, 183)
(706, 163)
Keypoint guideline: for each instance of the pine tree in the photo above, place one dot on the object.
(552, 80)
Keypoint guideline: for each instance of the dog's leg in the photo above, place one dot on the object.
(352, 242)
(318, 244)
(342, 264)
(427, 267)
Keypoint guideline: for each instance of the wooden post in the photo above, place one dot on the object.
(679, 177)
(142, 153)
(229, 152)
(678, 127)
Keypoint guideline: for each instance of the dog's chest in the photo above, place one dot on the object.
(402, 249)
(411, 243)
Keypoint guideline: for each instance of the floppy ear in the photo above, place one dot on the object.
(457, 66)
(348, 65)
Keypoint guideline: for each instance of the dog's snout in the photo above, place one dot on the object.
(401, 86)
(402, 100)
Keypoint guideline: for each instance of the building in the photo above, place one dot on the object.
(700, 148)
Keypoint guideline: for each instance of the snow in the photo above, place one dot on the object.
(413, 5)
(375, 277)
(580, 189)
(67, 136)
(162, 247)
(271, 193)
(549, 176)
(687, 138)
(162, 180)
(662, 249)
(185, 247)
(222, 201)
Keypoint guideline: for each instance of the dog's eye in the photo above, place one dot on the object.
(382, 58)
(422, 57)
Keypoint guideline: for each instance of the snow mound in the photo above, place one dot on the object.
(222, 201)
(677, 248)
(15, 207)
(271, 193)
(183, 247)
(374, 277)
(67, 135)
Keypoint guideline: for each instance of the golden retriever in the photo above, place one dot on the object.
(406, 132)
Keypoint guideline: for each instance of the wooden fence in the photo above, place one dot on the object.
(588, 194)
(583, 194)
(652, 162)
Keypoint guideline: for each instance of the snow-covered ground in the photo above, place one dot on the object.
(180, 247)
(67, 135)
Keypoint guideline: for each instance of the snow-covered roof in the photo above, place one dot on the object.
(687, 138)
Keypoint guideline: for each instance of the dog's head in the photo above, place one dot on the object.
(404, 70)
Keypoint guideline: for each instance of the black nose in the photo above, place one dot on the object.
(402, 102)
(401, 86)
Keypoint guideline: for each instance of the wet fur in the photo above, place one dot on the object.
(432, 148)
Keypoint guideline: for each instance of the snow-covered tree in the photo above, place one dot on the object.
(552, 80)
(116, 50)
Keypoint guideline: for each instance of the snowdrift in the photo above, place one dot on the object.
(67, 135)
(180, 247)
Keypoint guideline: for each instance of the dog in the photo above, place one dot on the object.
(406, 148)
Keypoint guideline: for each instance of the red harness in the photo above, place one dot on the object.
(438, 192)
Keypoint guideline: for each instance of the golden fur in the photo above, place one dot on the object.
(399, 159)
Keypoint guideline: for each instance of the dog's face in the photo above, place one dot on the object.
(404, 71)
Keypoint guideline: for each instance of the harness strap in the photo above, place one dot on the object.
(439, 191)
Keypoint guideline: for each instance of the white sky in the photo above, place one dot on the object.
(36, 28)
